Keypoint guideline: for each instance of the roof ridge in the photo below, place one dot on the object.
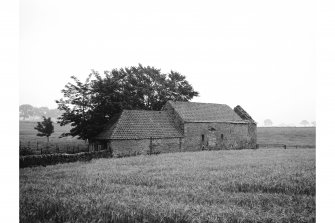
(193, 102)
(199, 111)
(142, 110)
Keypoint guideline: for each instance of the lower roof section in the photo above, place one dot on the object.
(141, 124)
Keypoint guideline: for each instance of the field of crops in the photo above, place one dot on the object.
(265, 185)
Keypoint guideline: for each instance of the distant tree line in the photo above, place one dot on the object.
(29, 112)
(305, 123)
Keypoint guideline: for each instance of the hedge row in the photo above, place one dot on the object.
(51, 159)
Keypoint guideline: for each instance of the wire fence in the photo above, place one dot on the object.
(39, 147)
(284, 146)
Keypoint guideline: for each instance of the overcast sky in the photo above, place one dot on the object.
(258, 54)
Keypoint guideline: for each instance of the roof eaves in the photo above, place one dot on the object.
(220, 121)
(154, 137)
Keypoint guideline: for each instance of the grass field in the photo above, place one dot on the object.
(291, 136)
(303, 137)
(209, 186)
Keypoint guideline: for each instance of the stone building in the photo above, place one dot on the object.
(179, 126)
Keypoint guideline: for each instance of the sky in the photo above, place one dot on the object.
(258, 54)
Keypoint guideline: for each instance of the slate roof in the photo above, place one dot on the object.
(205, 112)
(140, 124)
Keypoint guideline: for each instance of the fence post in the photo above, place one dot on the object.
(150, 146)
(110, 147)
(47, 148)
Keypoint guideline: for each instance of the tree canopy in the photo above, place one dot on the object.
(88, 105)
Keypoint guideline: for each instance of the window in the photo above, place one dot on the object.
(202, 137)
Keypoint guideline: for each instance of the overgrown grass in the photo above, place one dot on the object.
(218, 186)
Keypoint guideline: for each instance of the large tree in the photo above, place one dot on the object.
(88, 105)
(77, 108)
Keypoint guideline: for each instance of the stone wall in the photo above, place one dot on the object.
(142, 146)
(52, 159)
(252, 131)
(167, 145)
(200, 136)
